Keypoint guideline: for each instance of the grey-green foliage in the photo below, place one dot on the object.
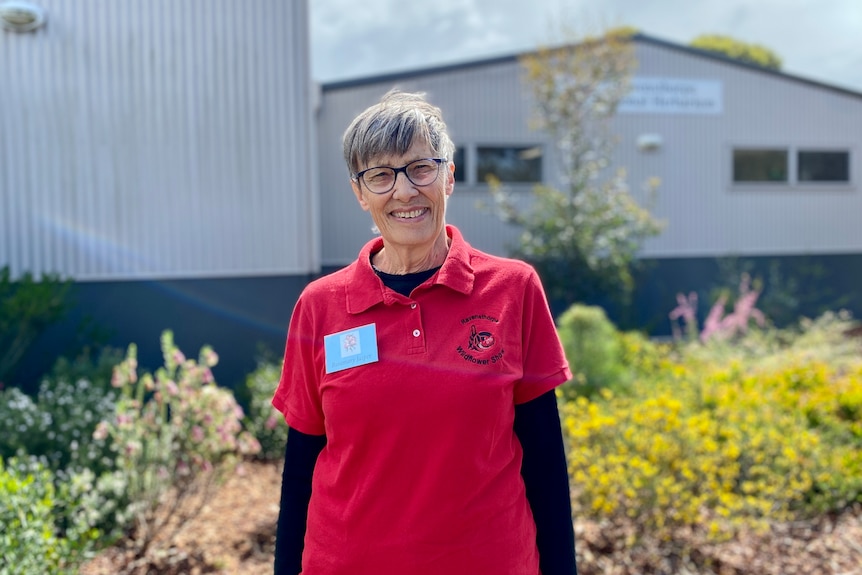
(57, 424)
(594, 350)
(262, 419)
(56, 427)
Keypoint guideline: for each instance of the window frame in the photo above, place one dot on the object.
(792, 182)
(823, 150)
(542, 158)
(788, 172)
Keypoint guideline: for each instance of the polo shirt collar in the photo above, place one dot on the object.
(364, 289)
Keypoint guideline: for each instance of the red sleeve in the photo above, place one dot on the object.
(298, 392)
(544, 362)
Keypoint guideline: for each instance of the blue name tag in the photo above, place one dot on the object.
(350, 348)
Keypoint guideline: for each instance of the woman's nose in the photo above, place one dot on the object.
(404, 187)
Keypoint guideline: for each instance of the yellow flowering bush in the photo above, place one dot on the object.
(721, 440)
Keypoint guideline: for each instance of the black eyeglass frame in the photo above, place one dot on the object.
(357, 176)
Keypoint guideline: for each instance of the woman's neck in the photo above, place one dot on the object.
(408, 260)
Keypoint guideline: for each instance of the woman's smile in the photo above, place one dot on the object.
(409, 215)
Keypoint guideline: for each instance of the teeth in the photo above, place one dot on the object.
(408, 215)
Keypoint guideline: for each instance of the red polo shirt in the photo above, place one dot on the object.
(421, 469)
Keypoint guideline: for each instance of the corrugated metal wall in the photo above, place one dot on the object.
(706, 214)
(157, 138)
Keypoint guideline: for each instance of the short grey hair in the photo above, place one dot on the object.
(392, 126)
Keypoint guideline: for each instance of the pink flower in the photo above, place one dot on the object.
(713, 323)
(248, 444)
(101, 431)
(686, 310)
(209, 357)
(197, 433)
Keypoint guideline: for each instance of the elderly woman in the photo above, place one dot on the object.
(418, 385)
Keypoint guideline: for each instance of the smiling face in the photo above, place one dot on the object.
(410, 218)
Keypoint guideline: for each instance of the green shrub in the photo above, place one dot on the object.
(58, 424)
(57, 427)
(31, 543)
(27, 307)
(262, 419)
(96, 370)
(594, 350)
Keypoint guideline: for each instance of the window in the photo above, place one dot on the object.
(460, 161)
(760, 165)
(815, 166)
(509, 164)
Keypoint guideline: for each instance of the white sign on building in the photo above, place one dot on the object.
(652, 95)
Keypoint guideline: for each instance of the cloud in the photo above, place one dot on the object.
(385, 35)
(351, 39)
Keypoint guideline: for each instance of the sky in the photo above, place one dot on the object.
(820, 40)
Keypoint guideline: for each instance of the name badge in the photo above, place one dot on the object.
(351, 347)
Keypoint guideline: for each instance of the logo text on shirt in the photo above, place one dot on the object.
(482, 346)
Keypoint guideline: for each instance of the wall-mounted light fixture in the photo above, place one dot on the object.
(649, 142)
(21, 16)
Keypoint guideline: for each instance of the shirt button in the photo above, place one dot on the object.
(412, 306)
(415, 333)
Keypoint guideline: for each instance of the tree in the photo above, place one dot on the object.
(744, 52)
(583, 239)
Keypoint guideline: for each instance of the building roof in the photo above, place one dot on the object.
(638, 37)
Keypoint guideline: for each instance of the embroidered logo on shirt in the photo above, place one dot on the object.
(480, 343)
(480, 340)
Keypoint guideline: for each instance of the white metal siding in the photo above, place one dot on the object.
(156, 138)
(706, 214)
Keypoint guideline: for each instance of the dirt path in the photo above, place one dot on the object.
(234, 533)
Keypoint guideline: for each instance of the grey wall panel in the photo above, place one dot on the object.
(706, 213)
(155, 138)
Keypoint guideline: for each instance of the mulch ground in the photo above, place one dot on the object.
(234, 534)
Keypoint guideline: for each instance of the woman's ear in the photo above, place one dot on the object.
(450, 179)
(357, 191)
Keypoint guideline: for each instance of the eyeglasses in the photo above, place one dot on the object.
(381, 180)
